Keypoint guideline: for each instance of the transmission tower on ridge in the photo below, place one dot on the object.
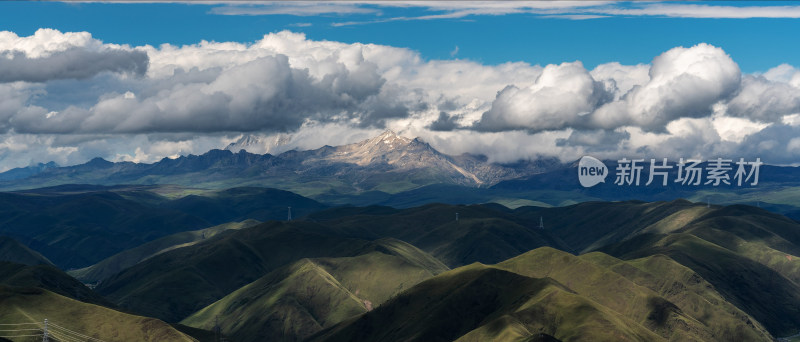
(45, 337)
(290, 214)
(541, 223)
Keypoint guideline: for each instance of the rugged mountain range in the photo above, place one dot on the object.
(388, 163)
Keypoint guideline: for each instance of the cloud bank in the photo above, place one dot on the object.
(69, 97)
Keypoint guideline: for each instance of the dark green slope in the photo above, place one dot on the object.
(237, 204)
(295, 301)
(79, 225)
(483, 233)
(590, 225)
(120, 261)
(175, 284)
(482, 303)
(13, 251)
(77, 230)
(48, 278)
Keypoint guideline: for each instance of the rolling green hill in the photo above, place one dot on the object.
(238, 204)
(483, 233)
(300, 299)
(76, 226)
(68, 317)
(48, 278)
(13, 251)
(120, 261)
(177, 283)
(638, 288)
(746, 253)
(587, 226)
(76, 230)
(646, 271)
(483, 303)
(548, 293)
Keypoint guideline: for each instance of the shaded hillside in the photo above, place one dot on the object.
(48, 278)
(483, 233)
(67, 318)
(177, 283)
(238, 204)
(76, 230)
(311, 294)
(79, 225)
(590, 225)
(120, 261)
(13, 251)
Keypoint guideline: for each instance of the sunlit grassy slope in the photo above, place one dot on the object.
(298, 300)
(548, 293)
(483, 303)
(23, 305)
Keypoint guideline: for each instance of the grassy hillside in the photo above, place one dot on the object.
(668, 270)
(549, 294)
(66, 317)
(120, 261)
(177, 283)
(76, 230)
(656, 292)
(590, 225)
(483, 303)
(238, 204)
(76, 226)
(49, 278)
(483, 233)
(295, 301)
(13, 251)
(746, 253)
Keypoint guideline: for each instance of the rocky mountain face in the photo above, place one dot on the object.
(388, 162)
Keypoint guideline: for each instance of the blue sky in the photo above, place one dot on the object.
(757, 44)
(80, 80)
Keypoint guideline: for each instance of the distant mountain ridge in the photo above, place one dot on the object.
(388, 163)
(25, 172)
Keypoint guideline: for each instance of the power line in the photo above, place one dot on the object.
(64, 338)
(75, 333)
(37, 329)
